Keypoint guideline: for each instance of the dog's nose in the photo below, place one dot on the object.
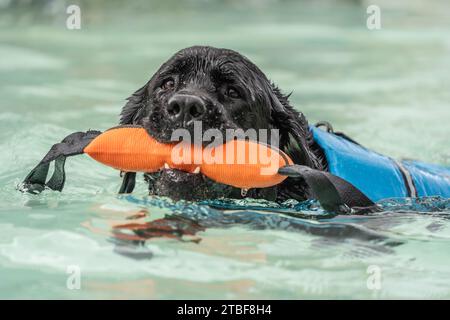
(185, 107)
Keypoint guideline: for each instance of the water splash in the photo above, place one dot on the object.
(417, 205)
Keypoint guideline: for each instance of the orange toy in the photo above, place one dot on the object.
(239, 163)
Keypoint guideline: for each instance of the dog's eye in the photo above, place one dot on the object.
(233, 93)
(168, 84)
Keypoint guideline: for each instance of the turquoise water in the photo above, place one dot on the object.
(387, 88)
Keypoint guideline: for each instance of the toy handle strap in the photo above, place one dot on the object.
(73, 144)
(128, 182)
(334, 194)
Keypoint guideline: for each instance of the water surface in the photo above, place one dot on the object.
(388, 89)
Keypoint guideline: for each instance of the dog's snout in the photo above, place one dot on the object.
(186, 107)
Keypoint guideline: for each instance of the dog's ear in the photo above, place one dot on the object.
(132, 111)
(295, 136)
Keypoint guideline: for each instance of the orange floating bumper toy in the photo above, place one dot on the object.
(239, 163)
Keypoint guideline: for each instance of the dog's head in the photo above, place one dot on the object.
(219, 89)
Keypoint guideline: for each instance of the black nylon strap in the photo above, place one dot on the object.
(128, 182)
(334, 193)
(329, 129)
(73, 144)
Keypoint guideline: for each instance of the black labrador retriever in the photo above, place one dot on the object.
(222, 90)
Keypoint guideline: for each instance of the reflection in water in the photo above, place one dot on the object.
(173, 227)
(190, 218)
(129, 237)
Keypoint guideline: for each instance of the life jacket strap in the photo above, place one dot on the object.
(329, 129)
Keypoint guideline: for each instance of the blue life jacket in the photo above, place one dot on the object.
(378, 176)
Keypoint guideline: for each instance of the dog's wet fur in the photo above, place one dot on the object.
(224, 90)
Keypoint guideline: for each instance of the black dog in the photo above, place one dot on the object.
(224, 90)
